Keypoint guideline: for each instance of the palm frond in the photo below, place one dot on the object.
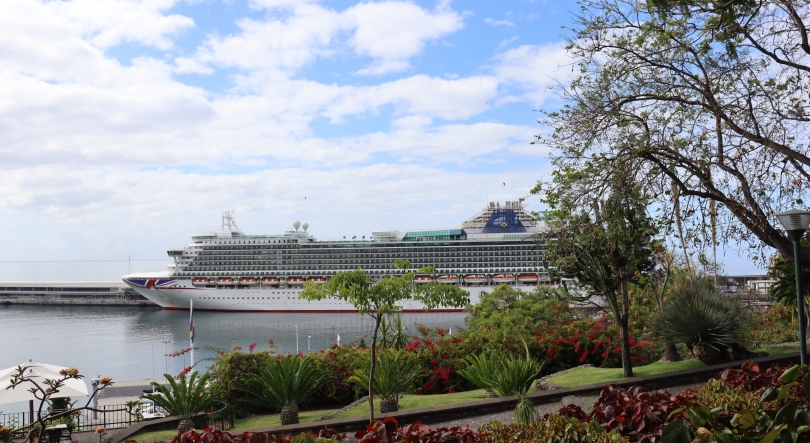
(186, 397)
(284, 382)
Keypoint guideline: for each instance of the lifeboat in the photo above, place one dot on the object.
(201, 281)
(318, 280)
(422, 279)
(447, 279)
(224, 280)
(527, 278)
(295, 280)
(503, 278)
(248, 281)
(475, 279)
(270, 280)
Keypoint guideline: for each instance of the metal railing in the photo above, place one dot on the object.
(116, 416)
(108, 417)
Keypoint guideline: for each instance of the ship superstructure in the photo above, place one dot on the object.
(230, 270)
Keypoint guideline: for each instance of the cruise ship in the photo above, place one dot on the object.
(229, 270)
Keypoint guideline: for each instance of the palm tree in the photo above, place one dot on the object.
(393, 374)
(481, 369)
(515, 378)
(284, 383)
(709, 323)
(186, 398)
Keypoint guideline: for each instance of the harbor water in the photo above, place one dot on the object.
(132, 343)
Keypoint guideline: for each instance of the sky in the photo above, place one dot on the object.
(126, 126)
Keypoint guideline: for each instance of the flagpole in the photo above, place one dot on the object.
(191, 328)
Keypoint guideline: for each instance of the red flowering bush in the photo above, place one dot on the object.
(338, 362)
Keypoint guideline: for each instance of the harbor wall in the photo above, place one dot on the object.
(53, 301)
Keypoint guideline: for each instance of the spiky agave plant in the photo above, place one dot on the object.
(707, 322)
(183, 398)
(515, 377)
(480, 370)
(284, 383)
(393, 374)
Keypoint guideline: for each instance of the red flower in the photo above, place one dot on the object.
(604, 355)
(252, 346)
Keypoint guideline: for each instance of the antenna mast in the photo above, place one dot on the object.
(229, 222)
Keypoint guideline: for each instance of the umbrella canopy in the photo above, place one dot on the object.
(38, 372)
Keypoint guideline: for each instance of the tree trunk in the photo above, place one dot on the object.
(377, 318)
(289, 415)
(623, 321)
(389, 404)
(671, 354)
(184, 426)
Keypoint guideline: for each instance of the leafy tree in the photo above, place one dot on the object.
(284, 383)
(394, 374)
(380, 298)
(707, 101)
(604, 248)
(184, 398)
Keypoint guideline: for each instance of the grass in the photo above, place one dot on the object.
(591, 375)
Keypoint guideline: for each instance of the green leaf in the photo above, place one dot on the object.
(791, 375)
(771, 436)
(745, 419)
(770, 394)
(785, 390)
(676, 432)
(787, 413)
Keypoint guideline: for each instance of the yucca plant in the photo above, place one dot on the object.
(393, 374)
(481, 369)
(707, 322)
(184, 398)
(284, 383)
(515, 377)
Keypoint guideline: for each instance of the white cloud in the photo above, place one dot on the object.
(533, 69)
(392, 32)
(493, 22)
(296, 33)
(107, 23)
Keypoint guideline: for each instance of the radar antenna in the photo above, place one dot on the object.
(229, 223)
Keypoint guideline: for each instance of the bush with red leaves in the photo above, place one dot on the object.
(386, 431)
(636, 413)
(752, 377)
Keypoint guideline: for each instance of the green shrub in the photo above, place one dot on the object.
(553, 429)
(698, 315)
(393, 374)
(186, 398)
(284, 382)
(229, 371)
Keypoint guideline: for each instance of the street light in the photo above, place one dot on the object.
(296, 339)
(309, 348)
(796, 223)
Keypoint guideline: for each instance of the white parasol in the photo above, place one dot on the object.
(38, 372)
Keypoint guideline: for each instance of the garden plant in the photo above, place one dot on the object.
(184, 397)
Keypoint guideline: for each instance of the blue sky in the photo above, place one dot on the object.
(128, 125)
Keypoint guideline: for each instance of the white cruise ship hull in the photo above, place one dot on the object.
(171, 293)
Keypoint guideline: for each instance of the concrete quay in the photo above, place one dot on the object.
(53, 301)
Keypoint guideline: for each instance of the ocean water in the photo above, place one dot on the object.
(131, 343)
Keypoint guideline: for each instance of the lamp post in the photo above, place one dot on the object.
(796, 223)
(309, 346)
(296, 339)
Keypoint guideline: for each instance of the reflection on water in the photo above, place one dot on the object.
(130, 343)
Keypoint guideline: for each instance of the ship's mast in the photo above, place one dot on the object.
(229, 223)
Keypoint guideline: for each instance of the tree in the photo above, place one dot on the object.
(45, 389)
(378, 299)
(659, 280)
(708, 100)
(605, 248)
(284, 383)
(184, 398)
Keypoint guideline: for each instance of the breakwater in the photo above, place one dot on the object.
(76, 302)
